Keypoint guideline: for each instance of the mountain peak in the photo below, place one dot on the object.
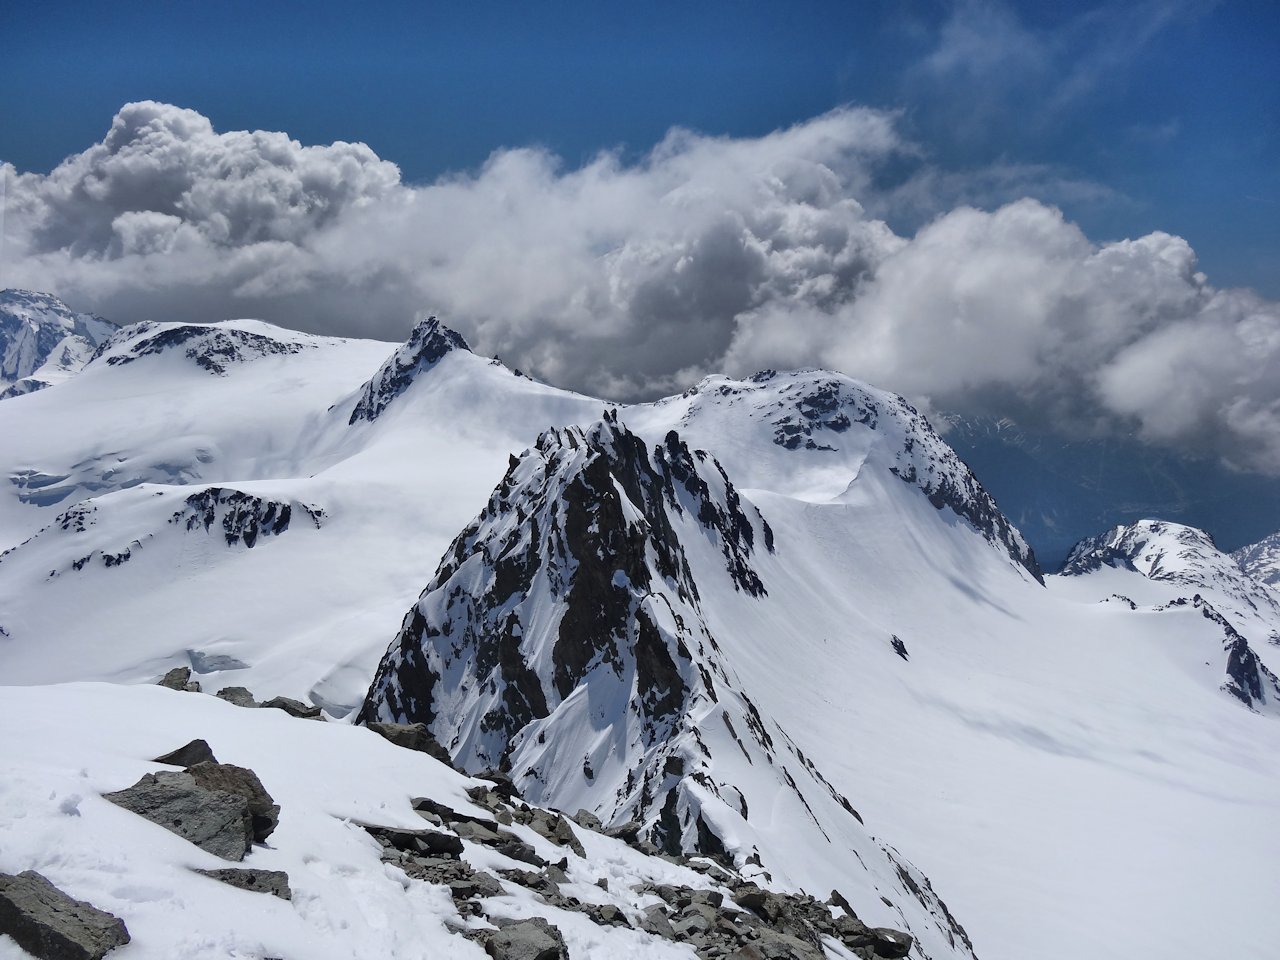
(814, 431)
(33, 326)
(213, 347)
(567, 639)
(1171, 553)
(1158, 549)
(579, 562)
(1261, 560)
(429, 343)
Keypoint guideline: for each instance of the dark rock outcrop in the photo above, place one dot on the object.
(51, 925)
(427, 345)
(212, 348)
(274, 882)
(214, 820)
(295, 708)
(532, 939)
(197, 751)
(243, 517)
(411, 736)
(242, 782)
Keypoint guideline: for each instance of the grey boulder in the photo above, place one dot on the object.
(412, 736)
(294, 708)
(51, 925)
(240, 696)
(274, 882)
(176, 679)
(197, 751)
(533, 939)
(243, 782)
(214, 820)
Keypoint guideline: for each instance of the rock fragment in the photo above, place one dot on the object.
(214, 820)
(197, 751)
(295, 708)
(51, 925)
(532, 939)
(411, 736)
(241, 781)
(274, 882)
(240, 696)
(176, 679)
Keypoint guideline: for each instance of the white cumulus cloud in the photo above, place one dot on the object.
(630, 279)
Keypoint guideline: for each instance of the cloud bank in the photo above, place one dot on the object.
(632, 279)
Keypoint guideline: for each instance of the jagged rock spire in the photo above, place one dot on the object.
(429, 343)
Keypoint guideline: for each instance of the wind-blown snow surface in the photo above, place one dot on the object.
(1065, 769)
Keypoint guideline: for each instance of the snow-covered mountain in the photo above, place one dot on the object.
(563, 640)
(1187, 566)
(766, 602)
(42, 341)
(1261, 560)
(1058, 489)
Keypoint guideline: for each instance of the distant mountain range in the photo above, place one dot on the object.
(43, 341)
(774, 626)
(1057, 491)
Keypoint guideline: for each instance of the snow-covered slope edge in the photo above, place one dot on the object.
(1187, 564)
(812, 434)
(385, 852)
(563, 639)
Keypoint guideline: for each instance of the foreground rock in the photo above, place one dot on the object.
(213, 820)
(533, 939)
(243, 782)
(50, 925)
(219, 807)
(197, 751)
(412, 736)
(731, 919)
(295, 708)
(274, 882)
(179, 678)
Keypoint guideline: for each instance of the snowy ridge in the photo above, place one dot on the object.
(1247, 678)
(214, 347)
(427, 345)
(1261, 560)
(1175, 554)
(43, 341)
(563, 640)
(893, 651)
(1202, 578)
(815, 431)
(357, 882)
(235, 517)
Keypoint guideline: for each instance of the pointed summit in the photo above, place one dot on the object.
(427, 345)
(569, 639)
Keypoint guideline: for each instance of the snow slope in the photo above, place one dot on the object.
(1065, 768)
(66, 745)
(586, 669)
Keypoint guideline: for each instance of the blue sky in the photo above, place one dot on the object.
(1062, 214)
(1131, 117)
